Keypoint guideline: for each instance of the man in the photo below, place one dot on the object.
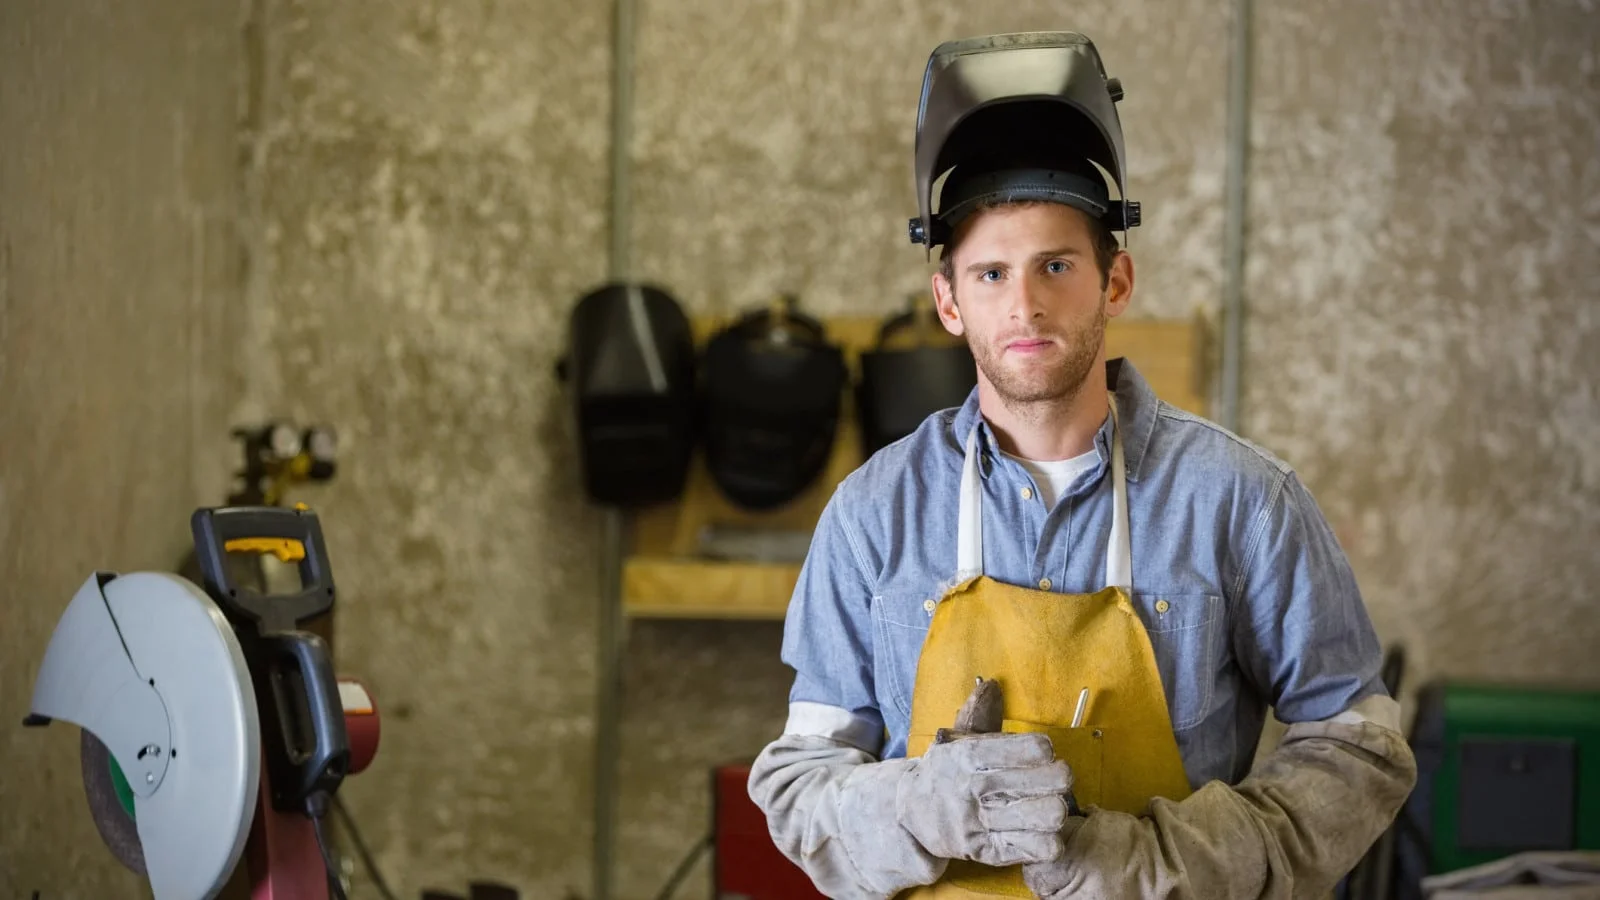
(1128, 586)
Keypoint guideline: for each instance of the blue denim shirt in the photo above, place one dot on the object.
(1261, 608)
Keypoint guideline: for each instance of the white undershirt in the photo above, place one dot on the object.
(1055, 476)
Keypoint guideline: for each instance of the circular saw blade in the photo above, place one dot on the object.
(111, 816)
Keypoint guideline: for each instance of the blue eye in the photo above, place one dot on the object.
(1056, 266)
(987, 273)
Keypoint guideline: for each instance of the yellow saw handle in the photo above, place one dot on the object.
(285, 549)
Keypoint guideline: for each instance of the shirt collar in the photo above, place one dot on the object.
(1136, 405)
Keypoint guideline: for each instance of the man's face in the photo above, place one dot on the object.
(1027, 295)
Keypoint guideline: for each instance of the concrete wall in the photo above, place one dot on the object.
(1424, 316)
(425, 195)
(430, 181)
(774, 143)
(120, 314)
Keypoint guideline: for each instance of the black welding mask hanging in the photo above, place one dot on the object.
(1010, 117)
(631, 367)
(773, 388)
(916, 369)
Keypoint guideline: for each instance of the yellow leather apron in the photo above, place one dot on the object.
(1045, 648)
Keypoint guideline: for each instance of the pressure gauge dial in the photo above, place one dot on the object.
(284, 441)
(322, 442)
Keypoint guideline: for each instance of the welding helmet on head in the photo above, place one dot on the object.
(1011, 117)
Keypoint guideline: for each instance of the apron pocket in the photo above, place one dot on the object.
(1082, 749)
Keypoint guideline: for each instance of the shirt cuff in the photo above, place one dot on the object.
(1379, 709)
(835, 723)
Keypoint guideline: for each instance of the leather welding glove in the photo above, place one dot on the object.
(978, 794)
(866, 829)
(1291, 829)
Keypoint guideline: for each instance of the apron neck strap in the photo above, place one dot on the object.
(1119, 551)
(969, 517)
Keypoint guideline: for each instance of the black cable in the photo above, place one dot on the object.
(335, 883)
(316, 808)
(683, 868)
(361, 849)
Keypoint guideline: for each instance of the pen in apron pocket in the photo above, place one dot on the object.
(1077, 716)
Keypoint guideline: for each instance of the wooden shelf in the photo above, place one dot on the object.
(664, 574)
(661, 587)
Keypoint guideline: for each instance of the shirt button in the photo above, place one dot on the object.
(1044, 584)
(1162, 606)
(1027, 493)
(929, 605)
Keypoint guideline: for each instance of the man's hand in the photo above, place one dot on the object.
(977, 794)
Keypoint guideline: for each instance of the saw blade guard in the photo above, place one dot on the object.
(148, 664)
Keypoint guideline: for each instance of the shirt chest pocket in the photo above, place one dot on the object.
(1184, 630)
(900, 624)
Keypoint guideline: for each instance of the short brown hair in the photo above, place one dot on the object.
(1104, 240)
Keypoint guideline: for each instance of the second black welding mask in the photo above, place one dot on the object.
(773, 388)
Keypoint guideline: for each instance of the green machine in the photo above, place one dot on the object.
(1502, 769)
(1518, 769)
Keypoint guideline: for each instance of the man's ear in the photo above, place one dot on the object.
(1119, 284)
(944, 299)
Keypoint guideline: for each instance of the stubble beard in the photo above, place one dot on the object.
(1039, 387)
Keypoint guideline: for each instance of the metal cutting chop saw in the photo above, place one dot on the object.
(215, 732)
